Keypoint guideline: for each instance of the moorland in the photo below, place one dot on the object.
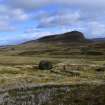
(77, 62)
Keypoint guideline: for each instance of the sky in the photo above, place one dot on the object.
(23, 20)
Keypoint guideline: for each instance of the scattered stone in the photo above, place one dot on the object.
(100, 69)
(45, 65)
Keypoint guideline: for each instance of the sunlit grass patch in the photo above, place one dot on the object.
(10, 70)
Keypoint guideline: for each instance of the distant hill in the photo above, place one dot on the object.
(98, 39)
(74, 36)
(63, 45)
(69, 37)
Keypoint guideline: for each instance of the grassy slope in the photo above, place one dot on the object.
(19, 68)
(18, 64)
(20, 71)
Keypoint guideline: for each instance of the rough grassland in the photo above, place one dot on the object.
(22, 71)
(85, 74)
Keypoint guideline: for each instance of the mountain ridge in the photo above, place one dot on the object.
(98, 39)
(67, 45)
(73, 36)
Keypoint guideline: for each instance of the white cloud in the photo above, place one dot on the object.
(63, 18)
(5, 26)
(36, 3)
(26, 4)
(19, 14)
(84, 11)
(97, 29)
(8, 15)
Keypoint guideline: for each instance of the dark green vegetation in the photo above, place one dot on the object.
(75, 60)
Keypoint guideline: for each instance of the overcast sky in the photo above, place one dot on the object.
(22, 20)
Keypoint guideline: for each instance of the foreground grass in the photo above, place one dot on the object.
(78, 94)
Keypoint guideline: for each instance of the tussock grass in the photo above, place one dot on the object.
(19, 70)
